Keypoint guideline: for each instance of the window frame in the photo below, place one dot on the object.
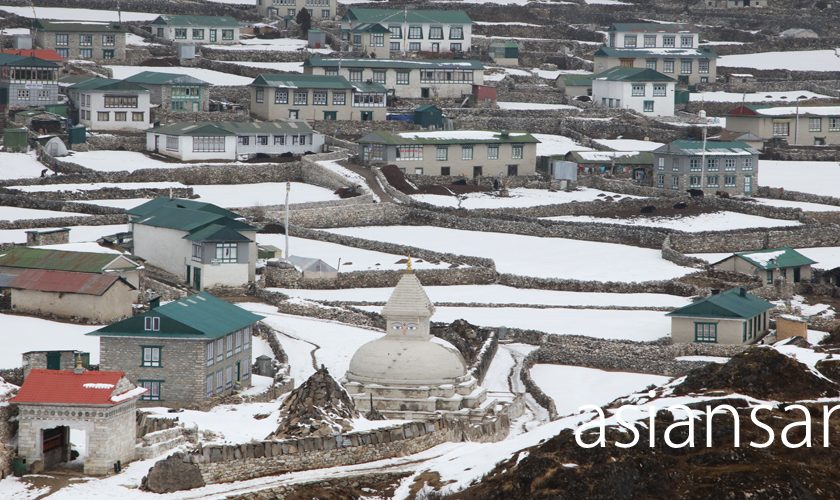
(705, 332)
(150, 361)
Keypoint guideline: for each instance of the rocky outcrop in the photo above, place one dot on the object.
(172, 474)
(319, 407)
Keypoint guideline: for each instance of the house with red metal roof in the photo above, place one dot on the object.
(102, 404)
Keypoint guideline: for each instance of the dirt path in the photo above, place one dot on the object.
(371, 181)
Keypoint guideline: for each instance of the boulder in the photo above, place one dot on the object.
(172, 474)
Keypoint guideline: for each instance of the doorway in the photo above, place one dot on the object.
(748, 184)
(197, 278)
(212, 35)
(55, 446)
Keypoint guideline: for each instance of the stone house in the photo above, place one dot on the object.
(672, 49)
(190, 141)
(106, 262)
(221, 30)
(276, 9)
(643, 90)
(409, 79)
(414, 30)
(806, 125)
(91, 40)
(108, 104)
(770, 264)
(462, 153)
(731, 167)
(27, 81)
(174, 92)
(731, 317)
(205, 245)
(636, 165)
(281, 96)
(183, 352)
(574, 85)
(100, 403)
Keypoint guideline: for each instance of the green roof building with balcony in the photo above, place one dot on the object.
(414, 30)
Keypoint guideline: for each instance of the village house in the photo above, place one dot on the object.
(731, 167)
(636, 165)
(414, 30)
(276, 9)
(770, 264)
(183, 352)
(672, 49)
(174, 92)
(504, 52)
(108, 104)
(731, 317)
(222, 30)
(102, 404)
(281, 96)
(90, 40)
(805, 125)
(574, 85)
(462, 153)
(27, 81)
(370, 40)
(190, 141)
(205, 245)
(643, 90)
(409, 79)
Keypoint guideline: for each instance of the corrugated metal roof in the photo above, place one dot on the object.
(393, 16)
(319, 62)
(216, 232)
(653, 28)
(728, 304)
(43, 54)
(59, 260)
(67, 387)
(302, 81)
(775, 258)
(197, 21)
(44, 280)
(162, 202)
(622, 74)
(78, 26)
(160, 78)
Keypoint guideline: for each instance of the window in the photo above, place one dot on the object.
(492, 151)
(668, 66)
(833, 124)
(630, 41)
(705, 332)
(85, 40)
(151, 323)
(281, 96)
(648, 107)
(685, 66)
(394, 47)
(23, 94)
(197, 252)
(377, 39)
(208, 144)
(62, 39)
(415, 32)
(638, 90)
(455, 47)
(712, 181)
(244, 140)
(180, 33)
(246, 370)
(229, 344)
(319, 97)
(747, 164)
(65, 53)
(138, 116)
(120, 116)
(703, 66)
(259, 95)
(226, 252)
(228, 377)
(669, 41)
(409, 152)
(369, 100)
(86, 53)
(660, 90)
(331, 71)
(814, 124)
(279, 140)
(262, 140)
(153, 389)
(108, 54)
(694, 181)
(626, 62)
(325, 13)
(379, 75)
(686, 41)
(650, 64)
(456, 33)
(467, 152)
(516, 153)
(781, 129)
(712, 164)
(355, 75)
(675, 182)
(729, 164)
(301, 97)
(729, 180)
(151, 356)
(435, 33)
(246, 342)
(661, 164)
(446, 76)
(357, 39)
(339, 98)
(418, 170)
(109, 40)
(121, 101)
(219, 349)
(396, 30)
(220, 381)
(414, 47)
(660, 180)
(227, 34)
(237, 342)
(402, 77)
(444, 171)
(209, 385)
(103, 116)
(769, 276)
(650, 41)
(442, 153)
(197, 34)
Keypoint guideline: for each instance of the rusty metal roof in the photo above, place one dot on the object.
(44, 280)
(58, 260)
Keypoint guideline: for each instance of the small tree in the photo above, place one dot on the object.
(304, 20)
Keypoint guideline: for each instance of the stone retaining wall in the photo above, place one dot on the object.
(671, 287)
(485, 357)
(813, 235)
(93, 220)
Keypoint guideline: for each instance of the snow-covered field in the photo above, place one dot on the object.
(628, 144)
(497, 294)
(115, 161)
(551, 144)
(519, 197)
(533, 256)
(208, 75)
(574, 386)
(352, 258)
(269, 44)
(715, 221)
(15, 213)
(794, 60)
(290, 67)
(817, 177)
(19, 166)
(21, 334)
(802, 205)
(64, 14)
(77, 233)
(737, 97)
(536, 106)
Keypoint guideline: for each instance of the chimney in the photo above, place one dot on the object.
(742, 292)
(154, 303)
(715, 291)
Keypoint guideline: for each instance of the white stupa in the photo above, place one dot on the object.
(408, 373)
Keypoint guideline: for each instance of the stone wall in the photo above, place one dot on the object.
(485, 356)
(533, 389)
(94, 220)
(8, 430)
(672, 287)
(813, 235)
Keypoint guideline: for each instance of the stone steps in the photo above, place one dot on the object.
(158, 443)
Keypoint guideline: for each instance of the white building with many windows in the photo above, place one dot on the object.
(197, 29)
(643, 90)
(413, 30)
(107, 104)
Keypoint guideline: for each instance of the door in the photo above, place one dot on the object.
(212, 35)
(188, 273)
(435, 47)
(157, 143)
(197, 278)
(797, 275)
(53, 360)
(477, 171)
(238, 371)
(747, 184)
(367, 116)
(424, 92)
(293, 114)
(330, 115)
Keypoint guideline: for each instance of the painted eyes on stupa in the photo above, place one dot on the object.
(405, 326)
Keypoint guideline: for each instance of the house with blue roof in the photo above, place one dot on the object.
(205, 245)
(731, 317)
(183, 352)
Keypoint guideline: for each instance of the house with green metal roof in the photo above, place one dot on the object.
(50, 259)
(770, 264)
(109, 104)
(406, 78)
(728, 166)
(311, 97)
(414, 30)
(319, 10)
(191, 141)
(504, 52)
(174, 92)
(461, 153)
(27, 81)
(87, 40)
(184, 352)
(731, 317)
(642, 90)
(221, 30)
(204, 245)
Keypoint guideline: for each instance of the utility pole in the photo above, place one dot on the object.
(705, 125)
(286, 219)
